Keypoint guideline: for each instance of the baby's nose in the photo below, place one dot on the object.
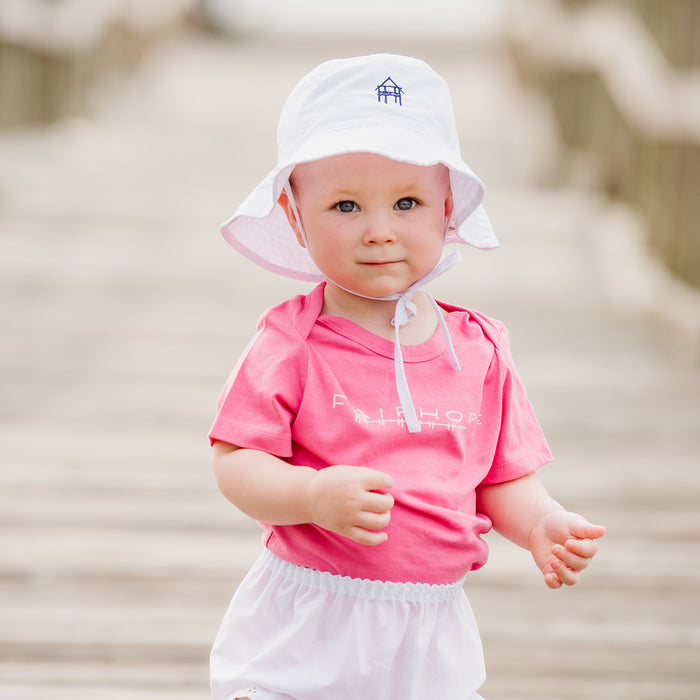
(380, 231)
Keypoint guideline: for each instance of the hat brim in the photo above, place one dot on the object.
(259, 228)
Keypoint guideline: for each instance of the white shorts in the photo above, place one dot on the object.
(293, 633)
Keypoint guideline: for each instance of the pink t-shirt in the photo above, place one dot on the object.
(320, 390)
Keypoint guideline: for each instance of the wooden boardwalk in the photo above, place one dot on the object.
(122, 313)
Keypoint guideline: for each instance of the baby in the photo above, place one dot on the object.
(375, 433)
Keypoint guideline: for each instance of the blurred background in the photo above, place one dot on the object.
(130, 130)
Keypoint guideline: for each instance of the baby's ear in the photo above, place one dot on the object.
(449, 208)
(288, 208)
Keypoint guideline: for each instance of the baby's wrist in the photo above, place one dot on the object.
(306, 494)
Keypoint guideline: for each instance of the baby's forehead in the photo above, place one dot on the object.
(349, 166)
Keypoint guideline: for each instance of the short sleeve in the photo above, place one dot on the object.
(260, 400)
(521, 447)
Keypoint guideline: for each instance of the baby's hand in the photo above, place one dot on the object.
(345, 500)
(563, 545)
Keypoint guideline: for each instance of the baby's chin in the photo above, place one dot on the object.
(379, 289)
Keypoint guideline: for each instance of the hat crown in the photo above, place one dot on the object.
(381, 91)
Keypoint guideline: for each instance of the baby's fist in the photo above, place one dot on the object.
(563, 545)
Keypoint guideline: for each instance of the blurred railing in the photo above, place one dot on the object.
(623, 77)
(53, 51)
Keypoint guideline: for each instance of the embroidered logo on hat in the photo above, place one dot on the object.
(389, 89)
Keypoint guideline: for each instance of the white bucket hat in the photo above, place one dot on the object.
(393, 106)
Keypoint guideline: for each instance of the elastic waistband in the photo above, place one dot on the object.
(359, 587)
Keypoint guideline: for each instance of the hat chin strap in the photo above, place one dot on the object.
(405, 313)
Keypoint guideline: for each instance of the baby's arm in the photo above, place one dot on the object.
(340, 498)
(561, 543)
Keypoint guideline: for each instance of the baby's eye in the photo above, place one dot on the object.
(346, 206)
(406, 203)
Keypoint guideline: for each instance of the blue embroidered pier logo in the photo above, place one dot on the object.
(389, 89)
